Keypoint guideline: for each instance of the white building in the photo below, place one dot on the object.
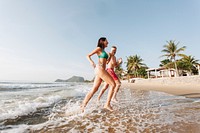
(161, 72)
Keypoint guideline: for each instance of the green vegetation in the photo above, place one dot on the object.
(186, 64)
(172, 51)
(164, 62)
(183, 64)
(119, 71)
(135, 67)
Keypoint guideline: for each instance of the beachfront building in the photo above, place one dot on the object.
(161, 72)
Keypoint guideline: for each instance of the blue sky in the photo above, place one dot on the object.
(42, 40)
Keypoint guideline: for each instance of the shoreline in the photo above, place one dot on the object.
(180, 86)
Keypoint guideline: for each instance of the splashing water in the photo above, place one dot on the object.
(58, 110)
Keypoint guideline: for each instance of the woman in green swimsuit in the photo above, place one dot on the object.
(101, 73)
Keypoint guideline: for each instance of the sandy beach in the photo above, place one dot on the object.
(180, 86)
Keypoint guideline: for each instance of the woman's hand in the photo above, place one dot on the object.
(93, 64)
(92, 53)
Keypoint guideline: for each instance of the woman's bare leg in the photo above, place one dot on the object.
(97, 83)
(118, 84)
(102, 75)
(105, 87)
(109, 80)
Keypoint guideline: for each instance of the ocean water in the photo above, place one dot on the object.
(55, 107)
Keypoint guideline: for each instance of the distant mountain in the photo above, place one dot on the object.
(60, 80)
(76, 79)
(72, 79)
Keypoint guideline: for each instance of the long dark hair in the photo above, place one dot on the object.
(100, 42)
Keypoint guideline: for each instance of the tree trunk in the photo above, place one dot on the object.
(177, 73)
(128, 77)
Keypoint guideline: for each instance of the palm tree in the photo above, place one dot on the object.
(189, 63)
(142, 72)
(133, 64)
(164, 62)
(171, 51)
(119, 71)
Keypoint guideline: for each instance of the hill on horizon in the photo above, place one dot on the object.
(72, 79)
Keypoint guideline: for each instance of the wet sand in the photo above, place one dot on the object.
(142, 111)
(142, 108)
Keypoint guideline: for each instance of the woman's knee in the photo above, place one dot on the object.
(113, 85)
(118, 84)
(104, 89)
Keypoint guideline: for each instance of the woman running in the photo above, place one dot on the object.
(101, 74)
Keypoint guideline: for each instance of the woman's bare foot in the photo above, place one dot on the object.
(115, 100)
(98, 100)
(108, 107)
(82, 108)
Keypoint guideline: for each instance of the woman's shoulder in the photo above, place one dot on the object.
(98, 49)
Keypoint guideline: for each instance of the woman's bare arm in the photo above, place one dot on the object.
(95, 51)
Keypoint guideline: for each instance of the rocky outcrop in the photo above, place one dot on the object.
(72, 79)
